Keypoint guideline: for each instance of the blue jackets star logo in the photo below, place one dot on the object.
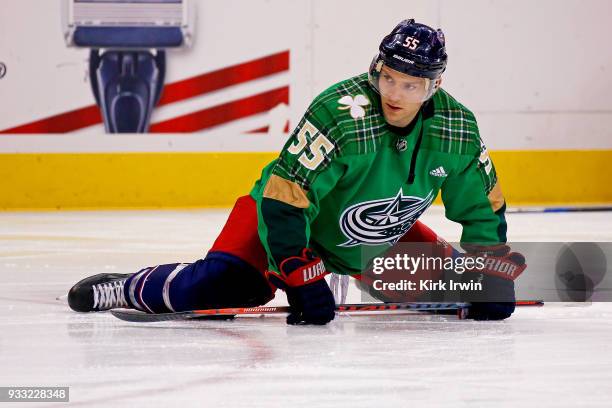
(382, 221)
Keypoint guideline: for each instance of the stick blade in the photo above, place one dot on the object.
(136, 316)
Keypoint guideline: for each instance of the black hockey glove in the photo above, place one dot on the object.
(303, 280)
(496, 301)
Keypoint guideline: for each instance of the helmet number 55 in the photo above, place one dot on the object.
(319, 147)
(411, 43)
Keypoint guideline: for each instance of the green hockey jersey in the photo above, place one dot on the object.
(341, 183)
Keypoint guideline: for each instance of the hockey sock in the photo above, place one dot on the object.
(148, 289)
(217, 281)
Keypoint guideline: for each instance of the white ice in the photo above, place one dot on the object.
(555, 356)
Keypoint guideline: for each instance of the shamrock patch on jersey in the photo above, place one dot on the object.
(356, 105)
(383, 221)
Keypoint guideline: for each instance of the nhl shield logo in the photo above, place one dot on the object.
(382, 221)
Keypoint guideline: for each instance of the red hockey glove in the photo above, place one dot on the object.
(501, 267)
(309, 296)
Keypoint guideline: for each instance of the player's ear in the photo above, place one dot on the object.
(438, 84)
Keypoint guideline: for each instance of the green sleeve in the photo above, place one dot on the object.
(472, 197)
(302, 175)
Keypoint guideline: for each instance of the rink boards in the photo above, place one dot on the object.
(184, 180)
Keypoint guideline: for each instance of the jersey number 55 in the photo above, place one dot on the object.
(317, 150)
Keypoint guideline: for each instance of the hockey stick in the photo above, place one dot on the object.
(535, 210)
(530, 303)
(136, 316)
(131, 315)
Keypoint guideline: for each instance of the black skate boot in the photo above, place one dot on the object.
(99, 292)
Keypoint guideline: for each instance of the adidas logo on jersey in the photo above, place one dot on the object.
(439, 172)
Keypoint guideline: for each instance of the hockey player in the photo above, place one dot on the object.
(367, 159)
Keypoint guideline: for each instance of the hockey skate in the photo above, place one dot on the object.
(99, 292)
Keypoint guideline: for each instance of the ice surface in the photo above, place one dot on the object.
(555, 356)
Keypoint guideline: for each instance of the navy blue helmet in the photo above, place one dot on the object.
(411, 48)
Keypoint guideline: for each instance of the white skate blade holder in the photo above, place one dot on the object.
(128, 24)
